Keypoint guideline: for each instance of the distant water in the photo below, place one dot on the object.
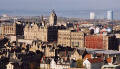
(100, 14)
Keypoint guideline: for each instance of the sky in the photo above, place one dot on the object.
(59, 4)
(36, 6)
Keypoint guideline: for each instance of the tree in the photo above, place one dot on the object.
(79, 63)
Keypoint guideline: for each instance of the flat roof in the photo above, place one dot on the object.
(109, 66)
(101, 51)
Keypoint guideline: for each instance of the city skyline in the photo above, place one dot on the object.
(66, 8)
(55, 42)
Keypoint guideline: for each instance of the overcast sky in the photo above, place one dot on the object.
(59, 4)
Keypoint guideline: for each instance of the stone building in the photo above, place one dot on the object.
(11, 29)
(9, 66)
(49, 51)
(43, 33)
(8, 29)
(71, 38)
(33, 32)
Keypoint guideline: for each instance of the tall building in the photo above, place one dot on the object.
(92, 15)
(110, 15)
(53, 18)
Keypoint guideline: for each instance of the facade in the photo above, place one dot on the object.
(53, 18)
(9, 66)
(77, 39)
(76, 55)
(34, 31)
(8, 29)
(44, 66)
(12, 65)
(100, 42)
(49, 51)
(71, 38)
(53, 65)
(11, 29)
(64, 37)
(96, 42)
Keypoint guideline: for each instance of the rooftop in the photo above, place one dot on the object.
(111, 66)
(95, 60)
(100, 51)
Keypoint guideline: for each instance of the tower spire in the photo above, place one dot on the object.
(53, 18)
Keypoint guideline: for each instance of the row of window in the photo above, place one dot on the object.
(70, 35)
(68, 38)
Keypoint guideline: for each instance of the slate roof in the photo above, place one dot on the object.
(95, 60)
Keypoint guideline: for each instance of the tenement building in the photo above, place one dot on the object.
(71, 38)
(35, 32)
(43, 33)
(107, 42)
(11, 29)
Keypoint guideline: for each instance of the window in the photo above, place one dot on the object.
(72, 43)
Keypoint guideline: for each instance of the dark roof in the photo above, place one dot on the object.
(95, 60)
(81, 52)
(3, 41)
(84, 53)
(65, 53)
